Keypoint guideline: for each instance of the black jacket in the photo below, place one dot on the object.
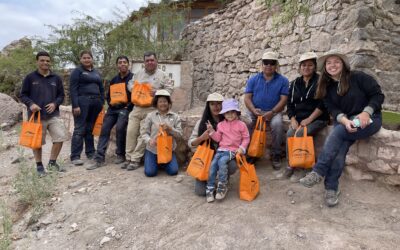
(40, 90)
(363, 91)
(301, 100)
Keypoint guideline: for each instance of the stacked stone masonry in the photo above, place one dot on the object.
(226, 46)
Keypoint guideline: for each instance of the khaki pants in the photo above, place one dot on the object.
(135, 146)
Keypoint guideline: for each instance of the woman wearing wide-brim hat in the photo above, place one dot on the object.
(303, 109)
(354, 99)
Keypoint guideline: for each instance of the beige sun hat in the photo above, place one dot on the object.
(162, 92)
(321, 60)
(270, 55)
(308, 56)
(215, 97)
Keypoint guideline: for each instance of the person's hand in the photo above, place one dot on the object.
(294, 124)
(76, 111)
(257, 112)
(153, 142)
(50, 108)
(210, 128)
(350, 127)
(166, 127)
(240, 151)
(205, 136)
(268, 116)
(364, 119)
(34, 108)
(305, 122)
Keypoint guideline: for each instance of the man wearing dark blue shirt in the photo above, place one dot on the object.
(117, 114)
(266, 95)
(42, 91)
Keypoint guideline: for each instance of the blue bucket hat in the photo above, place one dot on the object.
(228, 105)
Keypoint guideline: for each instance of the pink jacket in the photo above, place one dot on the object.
(231, 135)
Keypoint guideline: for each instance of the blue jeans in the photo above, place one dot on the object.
(277, 136)
(219, 165)
(119, 118)
(151, 166)
(331, 161)
(83, 126)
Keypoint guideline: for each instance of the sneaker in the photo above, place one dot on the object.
(276, 162)
(297, 175)
(209, 196)
(55, 166)
(40, 171)
(125, 165)
(132, 166)
(285, 174)
(77, 162)
(311, 179)
(332, 197)
(119, 159)
(95, 165)
(221, 191)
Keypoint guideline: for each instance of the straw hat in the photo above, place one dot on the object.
(215, 97)
(307, 56)
(270, 55)
(322, 59)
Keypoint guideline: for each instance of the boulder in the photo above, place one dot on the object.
(11, 111)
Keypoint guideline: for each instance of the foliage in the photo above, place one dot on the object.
(14, 67)
(289, 9)
(6, 226)
(32, 189)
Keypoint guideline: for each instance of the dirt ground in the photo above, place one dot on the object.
(127, 210)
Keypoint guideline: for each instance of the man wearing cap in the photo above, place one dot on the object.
(157, 79)
(266, 95)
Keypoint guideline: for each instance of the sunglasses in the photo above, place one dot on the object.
(269, 62)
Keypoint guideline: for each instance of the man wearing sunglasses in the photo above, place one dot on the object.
(266, 95)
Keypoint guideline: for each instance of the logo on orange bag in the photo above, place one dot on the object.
(301, 152)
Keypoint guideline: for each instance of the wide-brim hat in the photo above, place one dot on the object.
(215, 97)
(270, 55)
(162, 92)
(229, 105)
(321, 60)
(307, 56)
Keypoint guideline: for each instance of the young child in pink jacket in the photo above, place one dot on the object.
(233, 138)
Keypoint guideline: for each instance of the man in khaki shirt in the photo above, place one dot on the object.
(158, 79)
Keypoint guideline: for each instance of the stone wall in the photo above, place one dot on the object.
(226, 46)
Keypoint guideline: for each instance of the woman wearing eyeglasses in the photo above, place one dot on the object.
(266, 95)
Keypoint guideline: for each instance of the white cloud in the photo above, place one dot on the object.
(29, 17)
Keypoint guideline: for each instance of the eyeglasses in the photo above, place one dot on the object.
(269, 62)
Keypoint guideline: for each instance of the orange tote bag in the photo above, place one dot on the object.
(142, 94)
(301, 150)
(31, 132)
(249, 186)
(164, 147)
(258, 139)
(118, 93)
(99, 123)
(200, 163)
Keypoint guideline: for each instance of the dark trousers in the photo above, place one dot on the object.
(83, 126)
(118, 117)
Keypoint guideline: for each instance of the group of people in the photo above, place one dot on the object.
(352, 98)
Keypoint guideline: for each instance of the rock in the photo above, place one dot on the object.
(179, 178)
(292, 202)
(290, 193)
(109, 230)
(380, 166)
(82, 190)
(392, 180)
(77, 184)
(104, 240)
(300, 235)
(10, 112)
(365, 16)
(74, 228)
(17, 160)
(357, 174)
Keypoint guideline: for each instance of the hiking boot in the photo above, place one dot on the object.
(221, 191)
(125, 165)
(55, 166)
(132, 166)
(209, 196)
(119, 159)
(276, 162)
(297, 175)
(311, 179)
(332, 197)
(95, 165)
(77, 162)
(285, 174)
(40, 171)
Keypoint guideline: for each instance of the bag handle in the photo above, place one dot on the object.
(32, 118)
(240, 160)
(260, 124)
(304, 131)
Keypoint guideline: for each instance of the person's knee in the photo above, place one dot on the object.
(150, 172)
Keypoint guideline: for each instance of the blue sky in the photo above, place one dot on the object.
(19, 18)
